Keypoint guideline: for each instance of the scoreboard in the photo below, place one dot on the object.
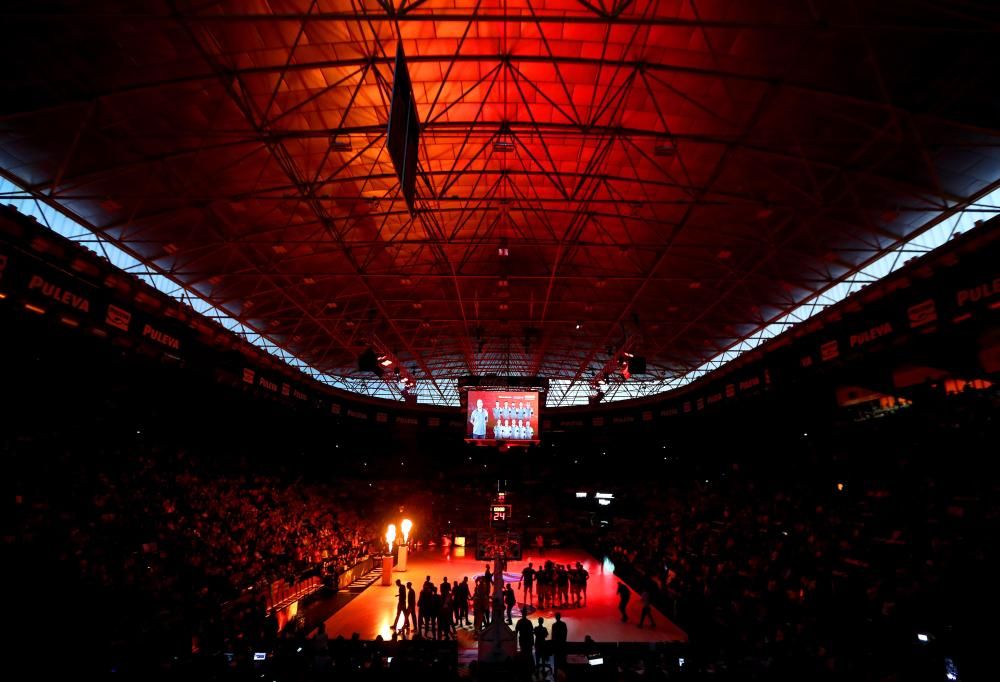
(499, 516)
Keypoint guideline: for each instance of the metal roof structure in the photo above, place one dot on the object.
(681, 178)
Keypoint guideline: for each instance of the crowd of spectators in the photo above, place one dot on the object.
(178, 556)
(831, 558)
(819, 555)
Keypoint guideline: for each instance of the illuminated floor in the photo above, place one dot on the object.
(372, 612)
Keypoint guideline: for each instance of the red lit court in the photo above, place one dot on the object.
(372, 612)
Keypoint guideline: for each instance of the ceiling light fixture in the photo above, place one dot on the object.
(665, 148)
(340, 142)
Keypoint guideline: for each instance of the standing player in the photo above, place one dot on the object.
(509, 600)
(623, 596)
(541, 650)
(647, 610)
(525, 635)
(478, 419)
(411, 608)
(528, 583)
(581, 576)
(401, 606)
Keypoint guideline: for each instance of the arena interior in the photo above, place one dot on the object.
(559, 340)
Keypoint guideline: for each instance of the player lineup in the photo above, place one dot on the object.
(503, 415)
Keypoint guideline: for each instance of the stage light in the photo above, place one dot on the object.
(579, 325)
(406, 525)
(923, 637)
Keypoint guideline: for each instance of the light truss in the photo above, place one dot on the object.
(697, 175)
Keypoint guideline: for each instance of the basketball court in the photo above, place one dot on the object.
(372, 612)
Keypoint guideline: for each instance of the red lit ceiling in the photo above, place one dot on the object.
(674, 172)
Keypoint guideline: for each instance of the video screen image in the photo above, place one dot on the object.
(503, 416)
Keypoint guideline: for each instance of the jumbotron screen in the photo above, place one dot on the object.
(510, 417)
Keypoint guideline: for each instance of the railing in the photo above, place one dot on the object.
(355, 572)
(282, 593)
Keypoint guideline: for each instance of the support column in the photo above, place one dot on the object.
(387, 570)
